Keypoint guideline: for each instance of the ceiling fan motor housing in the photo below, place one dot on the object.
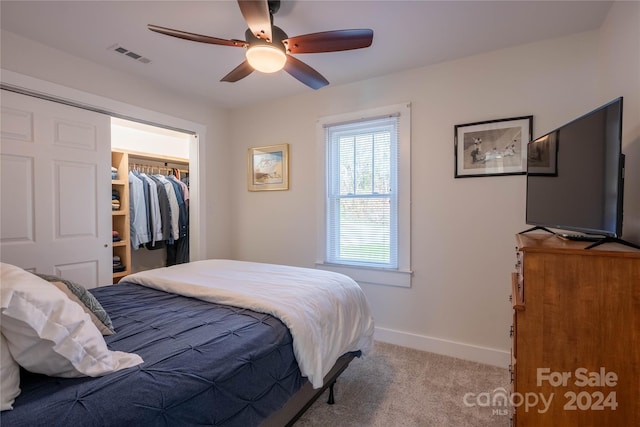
(274, 6)
(277, 34)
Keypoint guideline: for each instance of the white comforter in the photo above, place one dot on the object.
(327, 313)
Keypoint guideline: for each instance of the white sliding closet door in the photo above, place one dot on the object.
(55, 183)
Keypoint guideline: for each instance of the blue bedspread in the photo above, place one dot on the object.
(204, 364)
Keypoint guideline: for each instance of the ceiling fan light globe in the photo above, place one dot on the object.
(266, 58)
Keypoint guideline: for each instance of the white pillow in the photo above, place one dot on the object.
(47, 333)
(9, 377)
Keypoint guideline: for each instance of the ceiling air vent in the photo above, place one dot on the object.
(121, 50)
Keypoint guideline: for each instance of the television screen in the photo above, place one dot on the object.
(575, 174)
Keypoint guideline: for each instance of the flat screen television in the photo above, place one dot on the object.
(575, 175)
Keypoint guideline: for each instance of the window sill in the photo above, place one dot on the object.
(375, 276)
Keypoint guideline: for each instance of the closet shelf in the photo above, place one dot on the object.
(119, 275)
(120, 218)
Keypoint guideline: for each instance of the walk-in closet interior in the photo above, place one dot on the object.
(150, 197)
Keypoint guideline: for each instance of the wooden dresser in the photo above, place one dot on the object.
(576, 333)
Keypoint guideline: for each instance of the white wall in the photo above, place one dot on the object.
(462, 229)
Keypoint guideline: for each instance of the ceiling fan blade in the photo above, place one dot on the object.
(240, 72)
(329, 41)
(256, 13)
(304, 73)
(196, 37)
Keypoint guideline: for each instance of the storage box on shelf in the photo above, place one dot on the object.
(120, 216)
(576, 333)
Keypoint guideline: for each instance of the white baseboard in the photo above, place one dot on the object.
(488, 356)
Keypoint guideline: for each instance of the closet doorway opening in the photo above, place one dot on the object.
(154, 152)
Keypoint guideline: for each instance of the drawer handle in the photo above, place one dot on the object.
(517, 292)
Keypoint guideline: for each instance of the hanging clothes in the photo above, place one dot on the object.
(174, 208)
(154, 216)
(159, 208)
(178, 252)
(137, 212)
(163, 206)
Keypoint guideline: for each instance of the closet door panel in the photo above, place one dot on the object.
(17, 124)
(75, 184)
(75, 135)
(82, 272)
(17, 213)
(66, 224)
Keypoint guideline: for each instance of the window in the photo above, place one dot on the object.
(366, 195)
(361, 193)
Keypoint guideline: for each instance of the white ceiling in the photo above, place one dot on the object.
(407, 34)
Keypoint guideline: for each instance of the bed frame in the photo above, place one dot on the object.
(307, 395)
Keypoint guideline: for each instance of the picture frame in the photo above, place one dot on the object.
(493, 147)
(542, 156)
(268, 168)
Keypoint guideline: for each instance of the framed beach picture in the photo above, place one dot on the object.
(494, 147)
(268, 168)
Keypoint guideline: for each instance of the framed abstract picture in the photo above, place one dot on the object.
(268, 168)
(494, 147)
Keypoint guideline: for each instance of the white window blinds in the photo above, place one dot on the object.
(362, 188)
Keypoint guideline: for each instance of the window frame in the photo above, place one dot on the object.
(400, 276)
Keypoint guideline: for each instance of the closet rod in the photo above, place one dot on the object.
(152, 157)
(159, 167)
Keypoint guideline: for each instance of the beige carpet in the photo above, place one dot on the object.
(397, 386)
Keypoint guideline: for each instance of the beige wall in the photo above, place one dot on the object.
(462, 229)
(620, 75)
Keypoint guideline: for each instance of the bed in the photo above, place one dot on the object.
(221, 343)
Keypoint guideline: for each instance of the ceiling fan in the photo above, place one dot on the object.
(269, 48)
